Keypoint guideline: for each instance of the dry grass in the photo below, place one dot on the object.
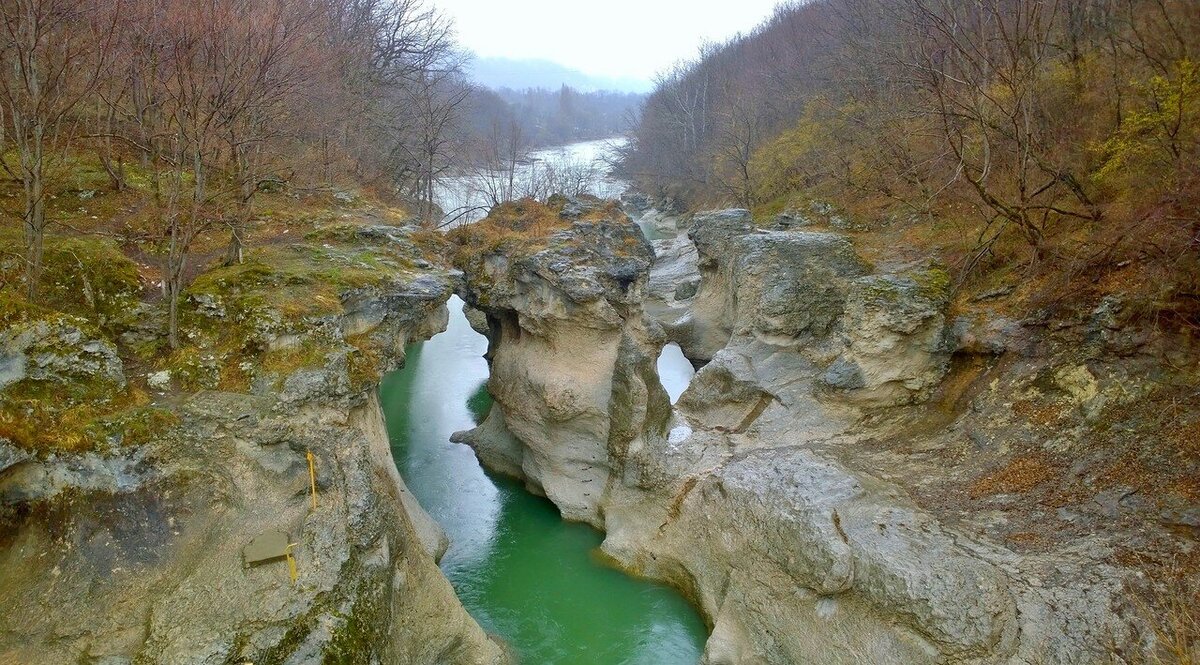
(521, 225)
(1168, 603)
(522, 222)
(1020, 475)
(1178, 627)
(40, 424)
(366, 363)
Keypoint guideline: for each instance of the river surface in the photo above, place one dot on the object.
(575, 168)
(520, 570)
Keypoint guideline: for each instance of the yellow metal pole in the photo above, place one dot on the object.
(291, 560)
(312, 477)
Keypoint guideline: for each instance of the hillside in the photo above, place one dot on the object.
(1047, 147)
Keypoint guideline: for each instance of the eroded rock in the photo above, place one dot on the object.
(62, 352)
(745, 497)
(141, 550)
(896, 338)
(781, 287)
(572, 359)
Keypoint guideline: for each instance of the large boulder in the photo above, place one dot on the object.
(837, 567)
(897, 339)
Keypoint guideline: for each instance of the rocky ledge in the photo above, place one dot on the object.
(794, 493)
(135, 551)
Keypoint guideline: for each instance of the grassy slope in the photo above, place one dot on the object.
(102, 272)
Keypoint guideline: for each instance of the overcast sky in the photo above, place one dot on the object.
(616, 38)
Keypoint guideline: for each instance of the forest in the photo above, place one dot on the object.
(1058, 139)
(191, 111)
(556, 117)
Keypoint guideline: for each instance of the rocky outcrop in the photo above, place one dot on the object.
(138, 554)
(896, 338)
(673, 282)
(572, 360)
(780, 287)
(59, 352)
(760, 496)
(883, 338)
(659, 219)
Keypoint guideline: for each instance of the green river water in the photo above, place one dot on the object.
(523, 573)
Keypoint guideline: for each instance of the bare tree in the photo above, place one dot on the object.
(435, 97)
(264, 62)
(984, 68)
(53, 52)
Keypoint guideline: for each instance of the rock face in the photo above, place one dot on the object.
(58, 352)
(775, 286)
(673, 282)
(572, 361)
(137, 557)
(896, 337)
(810, 292)
(748, 497)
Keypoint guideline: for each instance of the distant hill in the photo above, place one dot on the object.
(499, 73)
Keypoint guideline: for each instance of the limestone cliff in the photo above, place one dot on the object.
(794, 493)
(133, 553)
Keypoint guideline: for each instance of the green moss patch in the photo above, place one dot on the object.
(84, 276)
(91, 278)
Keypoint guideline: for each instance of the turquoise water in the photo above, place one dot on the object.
(522, 572)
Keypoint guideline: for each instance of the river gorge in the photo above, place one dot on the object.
(575, 432)
(526, 575)
(523, 573)
(465, 332)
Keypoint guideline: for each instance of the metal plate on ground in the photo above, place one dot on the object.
(266, 547)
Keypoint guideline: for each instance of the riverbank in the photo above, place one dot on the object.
(138, 543)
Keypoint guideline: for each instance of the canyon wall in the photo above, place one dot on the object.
(766, 494)
(135, 555)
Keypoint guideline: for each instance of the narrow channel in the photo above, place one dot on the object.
(523, 573)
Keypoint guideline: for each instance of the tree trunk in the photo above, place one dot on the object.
(247, 187)
(173, 281)
(173, 301)
(34, 250)
(429, 190)
(235, 250)
(35, 211)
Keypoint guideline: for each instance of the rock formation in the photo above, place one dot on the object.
(572, 358)
(135, 553)
(761, 497)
